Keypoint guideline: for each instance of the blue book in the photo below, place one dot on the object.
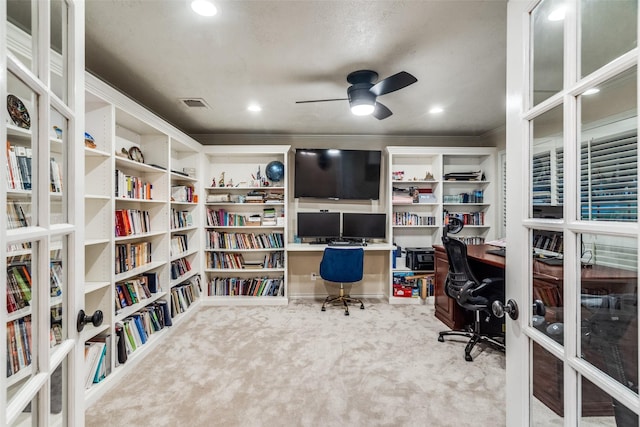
(138, 321)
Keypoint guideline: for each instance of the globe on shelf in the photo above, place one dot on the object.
(275, 171)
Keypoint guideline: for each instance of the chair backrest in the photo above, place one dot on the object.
(342, 265)
(461, 280)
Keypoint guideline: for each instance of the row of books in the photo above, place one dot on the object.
(137, 328)
(257, 286)
(228, 260)
(18, 344)
(224, 240)
(55, 275)
(180, 267)
(55, 172)
(18, 167)
(132, 187)
(132, 221)
(132, 255)
(182, 193)
(179, 244)
(549, 242)
(408, 218)
(180, 219)
(18, 214)
(18, 287)
(133, 291)
(185, 294)
(470, 218)
(97, 359)
(470, 240)
(221, 217)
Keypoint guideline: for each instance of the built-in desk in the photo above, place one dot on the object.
(303, 260)
(548, 287)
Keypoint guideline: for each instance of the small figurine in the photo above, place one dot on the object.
(258, 175)
(221, 180)
(213, 182)
(428, 176)
(230, 183)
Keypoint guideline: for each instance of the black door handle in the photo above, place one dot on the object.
(83, 319)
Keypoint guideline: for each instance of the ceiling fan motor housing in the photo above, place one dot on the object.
(359, 93)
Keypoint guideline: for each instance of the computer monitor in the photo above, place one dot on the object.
(364, 226)
(319, 225)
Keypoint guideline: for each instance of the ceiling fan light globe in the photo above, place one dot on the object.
(362, 109)
(204, 7)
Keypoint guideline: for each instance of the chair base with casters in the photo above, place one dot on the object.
(475, 337)
(343, 300)
(342, 265)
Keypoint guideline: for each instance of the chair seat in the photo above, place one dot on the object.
(342, 265)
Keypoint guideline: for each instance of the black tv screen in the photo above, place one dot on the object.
(337, 174)
(319, 225)
(364, 225)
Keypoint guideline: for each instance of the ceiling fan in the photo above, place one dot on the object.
(363, 92)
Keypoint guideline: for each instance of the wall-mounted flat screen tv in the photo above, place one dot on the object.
(337, 174)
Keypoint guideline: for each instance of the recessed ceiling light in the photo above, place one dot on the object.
(591, 91)
(557, 14)
(204, 7)
(254, 108)
(436, 110)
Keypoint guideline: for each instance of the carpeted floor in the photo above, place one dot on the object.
(297, 366)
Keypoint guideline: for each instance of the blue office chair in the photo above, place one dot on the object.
(342, 265)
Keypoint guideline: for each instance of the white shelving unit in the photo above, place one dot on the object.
(130, 205)
(421, 195)
(245, 226)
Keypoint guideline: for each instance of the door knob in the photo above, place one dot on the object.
(83, 319)
(499, 309)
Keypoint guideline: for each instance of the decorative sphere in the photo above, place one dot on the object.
(275, 171)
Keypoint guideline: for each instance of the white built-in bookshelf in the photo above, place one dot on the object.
(426, 186)
(245, 225)
(143, 265)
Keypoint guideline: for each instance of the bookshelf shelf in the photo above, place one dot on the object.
(18, 314)
(132, 200)
(418, 225)
(184, 277)
(92, 152)
(95, 286)
(136, 166)
(96, 197)
(183, 229)
(139, 270)
(184, 178)
(140, 236)
(19, 376)
(278, 249)
(184, 254)
(91, 242)
(129, 310)
(254, 271)
(91, 331)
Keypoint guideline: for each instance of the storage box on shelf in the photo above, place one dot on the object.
(245, 257)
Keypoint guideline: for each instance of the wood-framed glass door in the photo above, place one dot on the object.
(572, 97)
(42, 226)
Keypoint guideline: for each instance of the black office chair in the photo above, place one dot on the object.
(342, 265)
(470, 293)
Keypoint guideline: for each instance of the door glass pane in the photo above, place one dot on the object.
(599, 45)
(608, 151)
(58, 395)
(547, 402)
(58, 141)
(547, 279)
(598, 408)
(27, 417)
(608, 303)
(22, 299)
(21, 40)
(58, 287)
(546, 165)
(58, 48)
(547, 24)
(20, 147)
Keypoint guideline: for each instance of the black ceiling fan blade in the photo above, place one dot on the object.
(393, 83)
(381, 112)
(322, 100)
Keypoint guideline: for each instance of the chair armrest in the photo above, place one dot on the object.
(490, 281)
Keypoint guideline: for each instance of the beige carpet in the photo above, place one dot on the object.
(297, 366)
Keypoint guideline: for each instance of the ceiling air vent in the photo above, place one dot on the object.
(195, 103)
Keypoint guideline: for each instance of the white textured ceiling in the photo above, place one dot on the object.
(278, 52)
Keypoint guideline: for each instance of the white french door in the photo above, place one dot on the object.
(42, 225)
(572, 122)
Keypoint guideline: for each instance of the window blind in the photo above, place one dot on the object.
(608, 178)
(541, 178)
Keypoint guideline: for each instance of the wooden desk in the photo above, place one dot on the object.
(548, 287)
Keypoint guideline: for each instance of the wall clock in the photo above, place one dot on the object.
(136, 155)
